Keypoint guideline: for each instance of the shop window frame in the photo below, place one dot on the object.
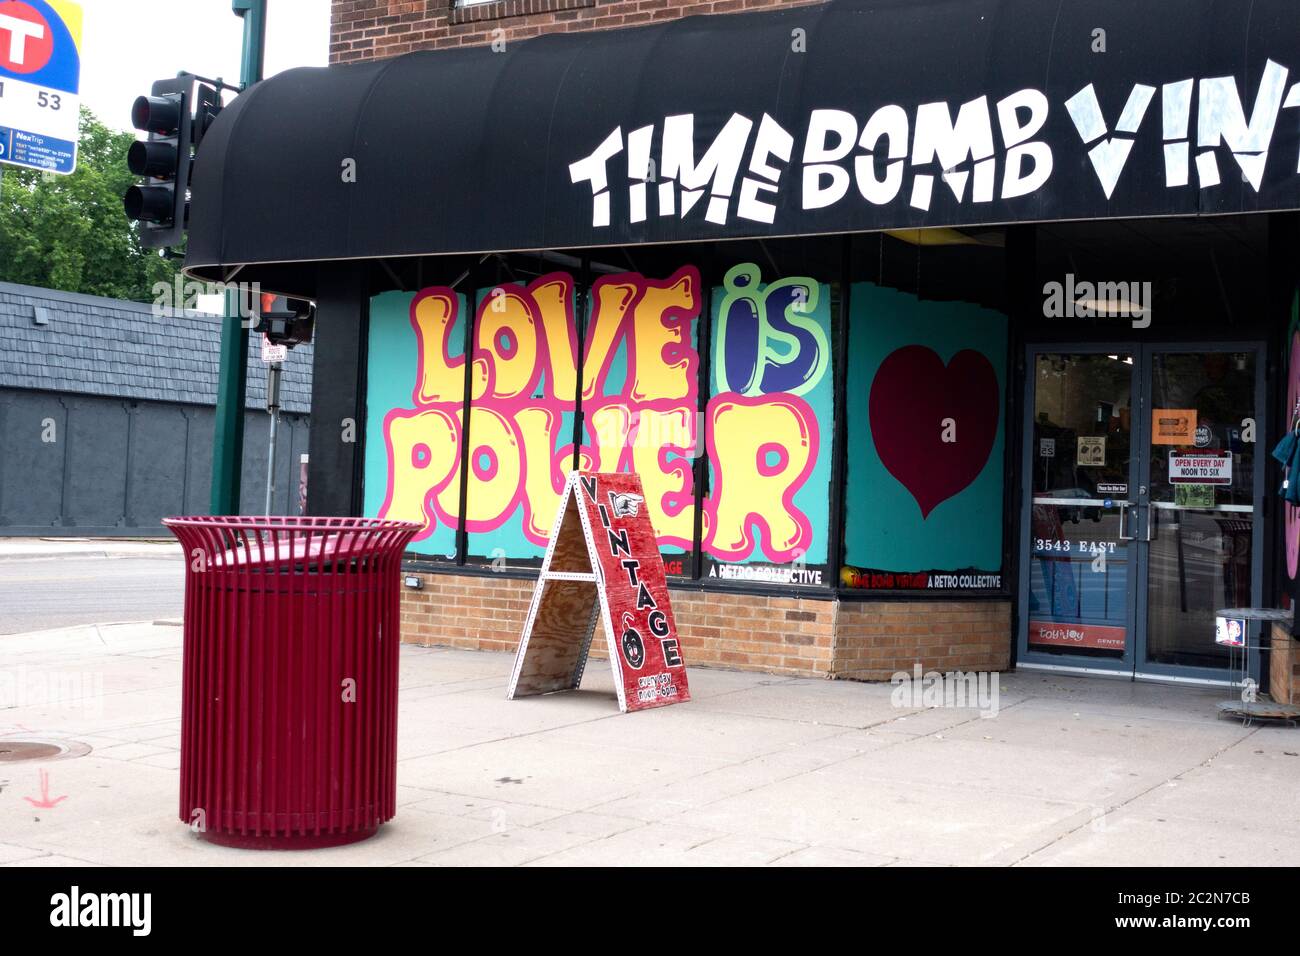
(486, 274)
(711, 274)
(1011, 443)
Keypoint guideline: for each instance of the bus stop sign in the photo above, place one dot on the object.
(40, 77)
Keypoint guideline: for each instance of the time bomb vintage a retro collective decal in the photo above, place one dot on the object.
(603, 559)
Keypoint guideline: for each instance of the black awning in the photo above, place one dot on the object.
(845, 116)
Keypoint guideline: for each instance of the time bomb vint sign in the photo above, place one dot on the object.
(1002, 149)
(602, 559)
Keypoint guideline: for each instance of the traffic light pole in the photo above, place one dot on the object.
(273, 406)
(228, 436)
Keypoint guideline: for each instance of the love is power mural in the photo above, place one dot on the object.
(926, 390)
(764, 430)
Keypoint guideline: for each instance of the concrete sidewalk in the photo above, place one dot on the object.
(33, 549)
(755, 770)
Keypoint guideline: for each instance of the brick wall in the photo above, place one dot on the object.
(375, 29)
(799, 637)
(479, 613)
(875, 639)
(778, 635)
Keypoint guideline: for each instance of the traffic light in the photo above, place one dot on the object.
(161, 204)
(285, 321)
(207, 105)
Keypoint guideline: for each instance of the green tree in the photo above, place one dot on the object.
(69, 232)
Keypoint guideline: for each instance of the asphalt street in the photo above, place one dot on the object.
(67, 591)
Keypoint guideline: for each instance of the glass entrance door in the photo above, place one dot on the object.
(1077, 584)
(1201, 537)
(1140, 508)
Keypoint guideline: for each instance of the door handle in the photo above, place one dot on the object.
(1123, 523)
(1151, 523)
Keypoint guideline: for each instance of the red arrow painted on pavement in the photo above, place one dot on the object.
(45, 802)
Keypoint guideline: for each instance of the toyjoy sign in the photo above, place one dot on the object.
(602, 558)
(1100, 636)
(40, 73)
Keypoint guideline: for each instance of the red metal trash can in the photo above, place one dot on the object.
(289, 703)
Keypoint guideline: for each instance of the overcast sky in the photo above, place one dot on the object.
(127, 44)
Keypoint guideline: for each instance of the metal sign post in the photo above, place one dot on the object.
(273, 372)
(228, 433)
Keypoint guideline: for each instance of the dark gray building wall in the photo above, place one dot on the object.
(106, 416)
(88, 465)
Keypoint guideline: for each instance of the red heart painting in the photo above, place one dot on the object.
(911, 396)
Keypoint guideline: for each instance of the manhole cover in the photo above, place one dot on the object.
(13, 750)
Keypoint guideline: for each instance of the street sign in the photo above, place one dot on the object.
(602, 559)
(40, 79)
(273, 354)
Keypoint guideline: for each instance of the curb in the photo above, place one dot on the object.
(51, 555)
(46, 555)
(73, 628)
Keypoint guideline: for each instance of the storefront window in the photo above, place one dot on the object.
(640, 395)
(925, 406)
(735, 445)
(769, 427)
(415, 399)
(522, 399)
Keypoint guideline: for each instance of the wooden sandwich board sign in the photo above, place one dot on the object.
(602, 559)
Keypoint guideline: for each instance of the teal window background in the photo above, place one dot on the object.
(391, 362)
(884, 525)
